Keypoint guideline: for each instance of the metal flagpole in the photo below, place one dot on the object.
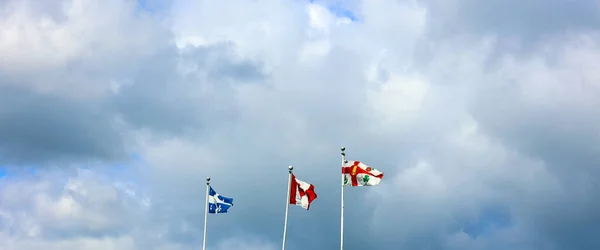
(287, 206)
(206, 212)
(342, 210)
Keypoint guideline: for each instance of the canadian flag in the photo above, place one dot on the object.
(301, 193)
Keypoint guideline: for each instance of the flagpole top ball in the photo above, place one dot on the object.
(207, 178)
(290, 168)
(343, 148)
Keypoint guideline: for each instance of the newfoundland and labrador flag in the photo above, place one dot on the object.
(217, 203)
(301, 193)
(357, 173)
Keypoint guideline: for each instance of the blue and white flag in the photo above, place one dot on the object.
(218, 204)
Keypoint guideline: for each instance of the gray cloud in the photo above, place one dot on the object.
(37, 128)
(519, 28)
(528, 20)
(83, 107)
(176, 93)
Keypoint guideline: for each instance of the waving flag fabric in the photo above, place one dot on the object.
(301, 193)
(217, 203)
(357, 173)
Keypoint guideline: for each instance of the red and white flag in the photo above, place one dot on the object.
(301, 193)
(357, 173)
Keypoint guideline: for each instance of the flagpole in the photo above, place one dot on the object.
(287, 207)
(206, 212)
(342, 210)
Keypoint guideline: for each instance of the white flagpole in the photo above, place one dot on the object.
(287, 207)
(342, 210)
(206, 212)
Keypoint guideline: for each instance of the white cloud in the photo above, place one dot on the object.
(100, 39)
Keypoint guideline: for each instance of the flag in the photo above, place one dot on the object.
(217, 203)
(301, 193)
(359, 174)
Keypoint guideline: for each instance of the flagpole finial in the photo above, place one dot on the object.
(343, 148)
(290, 168)
(207, 179)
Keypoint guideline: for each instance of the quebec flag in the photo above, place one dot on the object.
(218, 204)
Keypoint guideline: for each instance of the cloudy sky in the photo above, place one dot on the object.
(481, 114)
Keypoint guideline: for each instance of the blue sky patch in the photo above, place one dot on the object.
(340, 11)
(153, 6)
(145, 5)
(7, 171)
(489, 220)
